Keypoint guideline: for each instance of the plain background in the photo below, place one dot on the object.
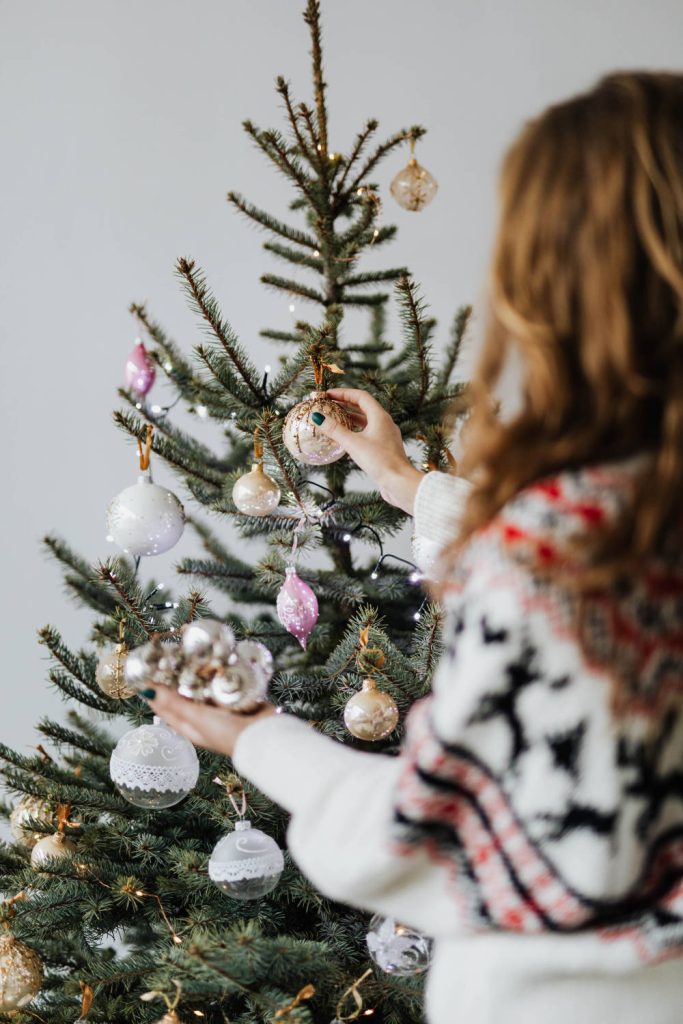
(120, 137)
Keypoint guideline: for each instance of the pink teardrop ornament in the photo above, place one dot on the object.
(297, 607)
(140, 372)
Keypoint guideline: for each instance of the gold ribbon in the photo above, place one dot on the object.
(352, 991)
(144, 455)
(86, 999)
(307, 992)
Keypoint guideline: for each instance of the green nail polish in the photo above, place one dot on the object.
(148, 694)
(317, 418)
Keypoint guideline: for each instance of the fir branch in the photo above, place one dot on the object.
(110, 572)
(300, 259)
(166, 449)
(274, 335)
(374, 277)
(274, 146)
(312, 19)
(358, 146)
(412, 316)
(271, 223)
(416, 132)
(282, 87)
(293, 288)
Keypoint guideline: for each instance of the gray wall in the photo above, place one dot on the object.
(120, 136)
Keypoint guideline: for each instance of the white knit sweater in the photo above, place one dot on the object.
(533, 823)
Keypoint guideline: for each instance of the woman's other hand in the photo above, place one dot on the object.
(377, 448)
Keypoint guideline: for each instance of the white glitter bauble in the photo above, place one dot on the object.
(207, 637)
(304, 440)
(153, 767)
(371, 714)
(247, 863)
(239, 687)
(50, 847)
(21, 974)
(256, 493)
(29, 807)
(145, 519)
(156, 663)
(110, 673)
(396, 948)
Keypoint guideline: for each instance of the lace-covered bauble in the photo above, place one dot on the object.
(152, 766)
(27, 808)
(21, 974)
(247, 863)
(396, 948)
(304, 440)
(145, 519)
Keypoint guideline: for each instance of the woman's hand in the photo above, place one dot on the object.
(377, 448)
(202, 724)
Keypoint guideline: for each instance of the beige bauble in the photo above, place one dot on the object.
(110, 673)
(304, 440)
(413, 187)
(48, 847)
(21, 974)
(29, 807)
(256, 493)
(371, 714)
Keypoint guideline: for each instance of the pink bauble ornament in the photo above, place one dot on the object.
(297, 607)
(140, 372)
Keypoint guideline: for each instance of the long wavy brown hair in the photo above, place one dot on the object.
(587, 286)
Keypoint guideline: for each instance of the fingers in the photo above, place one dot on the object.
(356, 396)
(185, 716)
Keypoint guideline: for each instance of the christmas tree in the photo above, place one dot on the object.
(114, 897)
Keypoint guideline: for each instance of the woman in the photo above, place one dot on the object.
(533, 823)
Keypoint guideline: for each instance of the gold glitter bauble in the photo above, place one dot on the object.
(29, 807)
(109, 673)
(304, 440)
(256, 493)
(413, 187)
(371, 714)
(21, 974)
(56, 845)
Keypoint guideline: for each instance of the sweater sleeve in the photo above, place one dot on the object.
(439, 504)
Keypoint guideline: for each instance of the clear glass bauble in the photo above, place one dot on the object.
(371, 714)
(246, 864)
(21, 974)
(304, 440)
(413, 187)
(50, 848)
(145, 519)
(154, 767)
(256, 493)
(27, 808)
(110, 674)
(396, 948)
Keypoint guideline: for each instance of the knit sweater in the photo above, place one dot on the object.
(533, 821)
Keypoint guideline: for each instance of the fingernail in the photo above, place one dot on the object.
(148, 694)
(317, 418)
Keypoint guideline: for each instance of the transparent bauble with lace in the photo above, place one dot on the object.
(246, 864)
(153, 766)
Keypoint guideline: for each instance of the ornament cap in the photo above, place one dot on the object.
(369, 685)
(242, 824)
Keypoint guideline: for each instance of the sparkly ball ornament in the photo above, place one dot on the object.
(246, 864)
(371, 714)
(154, 767)
(51, 848)
(413, 187)
(145, 519)
(140, 372)
(256, 493)
(110, 671)
(21, 974)
(304, 440)
(156, 663)
(397, 948)
(27, 808)
(297, 606)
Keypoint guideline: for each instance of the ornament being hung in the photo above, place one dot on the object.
(256, 493)
(110, 673)
(140, 372)
(245, 864)
(413, 187)
(52, 847)
(145, 519)
(371, 714)
(170, 1017)
(301, 436)
(396, 948)
(153, 766)
(27, 808)
(297, 606)
(21, 974)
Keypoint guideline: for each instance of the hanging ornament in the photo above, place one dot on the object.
(140, 372)
(246, 864)
(256, 493)
(297, 606)
(27, 808)
(396, 948)
(153, 767)
(110, 674)
(56, 845)
(170, 1017)
(21, 974)
(413, 187)
(145, 519)
(371, 714)
(301, 436)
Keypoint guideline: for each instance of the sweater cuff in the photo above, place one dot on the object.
(287, 759)
(439, 505)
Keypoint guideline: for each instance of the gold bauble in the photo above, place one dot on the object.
(256, 493)
(304, 440)
(169, 1018)
(109, 673)
(413, 187)
(29, 807)
(371, 714)
(56, 845)
(21, 974)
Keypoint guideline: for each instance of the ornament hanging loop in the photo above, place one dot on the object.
(144, 455)
(352, 991)
(258, 445)
(234, 785)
